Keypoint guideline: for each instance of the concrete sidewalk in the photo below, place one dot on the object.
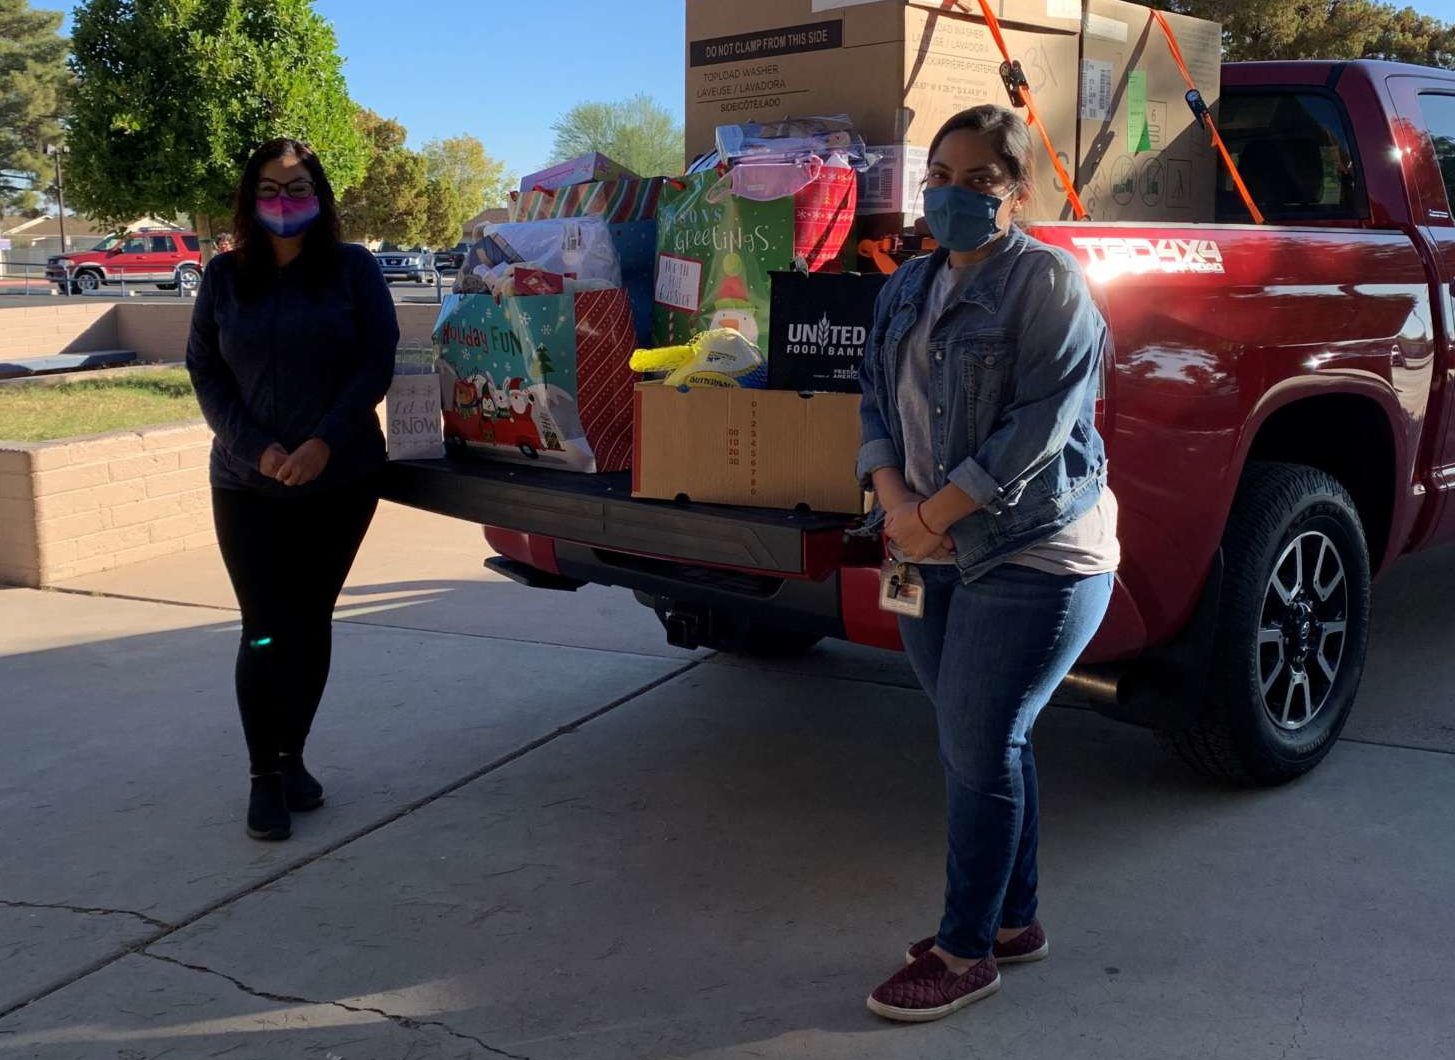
(548, 835)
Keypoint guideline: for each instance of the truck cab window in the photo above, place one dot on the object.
(1439, 112)
(1292, 150)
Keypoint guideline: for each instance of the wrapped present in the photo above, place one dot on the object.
(583, 169)
(629, 208)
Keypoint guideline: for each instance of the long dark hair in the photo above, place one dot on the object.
(254, 250)
(1007, 133)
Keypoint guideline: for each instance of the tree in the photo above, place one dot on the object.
(171, 97)
(479, 180)
(1326, 29)
(444, 214)
(32, 84)
(637, 132)
(391, 201)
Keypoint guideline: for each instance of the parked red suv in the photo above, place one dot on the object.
(151, 255)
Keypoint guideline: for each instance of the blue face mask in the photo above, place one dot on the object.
(961, 219)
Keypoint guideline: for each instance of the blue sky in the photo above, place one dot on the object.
(502, 70)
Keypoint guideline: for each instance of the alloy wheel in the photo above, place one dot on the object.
(1302, 630)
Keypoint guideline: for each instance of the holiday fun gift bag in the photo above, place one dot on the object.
(539, 379)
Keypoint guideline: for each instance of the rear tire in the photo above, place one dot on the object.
(1292, 630)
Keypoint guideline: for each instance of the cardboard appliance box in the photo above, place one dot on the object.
(898, 68)
(760, 448)
(1142, 157)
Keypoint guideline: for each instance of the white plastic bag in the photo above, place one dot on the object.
(575, 246)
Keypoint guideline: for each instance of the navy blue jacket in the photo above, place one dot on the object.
(305, 357)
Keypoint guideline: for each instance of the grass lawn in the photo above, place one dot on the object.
(38, 413)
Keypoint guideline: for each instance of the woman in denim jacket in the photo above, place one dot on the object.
(980, 387)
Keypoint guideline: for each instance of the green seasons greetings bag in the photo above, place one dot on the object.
(716, 253)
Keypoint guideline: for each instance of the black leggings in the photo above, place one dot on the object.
(287, 558)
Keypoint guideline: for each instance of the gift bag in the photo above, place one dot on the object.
(539, 379)
(716, 252)
(412, 407)
(629, 208)
(821, 326)
(823, 215)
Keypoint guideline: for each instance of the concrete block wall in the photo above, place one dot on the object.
(19, 548)
(84, 505)
(156, 330)
(56, 327)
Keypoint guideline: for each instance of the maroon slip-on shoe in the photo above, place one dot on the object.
(1030, 945)
(926, 990)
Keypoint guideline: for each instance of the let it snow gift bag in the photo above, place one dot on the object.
(540, 379)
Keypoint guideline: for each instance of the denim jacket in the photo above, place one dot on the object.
(1014, 377)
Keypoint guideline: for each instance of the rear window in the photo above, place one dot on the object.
(190, 242)
(161, 244)
(1293, 152)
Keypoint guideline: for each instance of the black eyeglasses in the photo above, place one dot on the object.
(301, 188)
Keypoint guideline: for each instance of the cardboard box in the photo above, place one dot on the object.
(898, 68)
(1142, 157)
(761, 448)
(583, 169)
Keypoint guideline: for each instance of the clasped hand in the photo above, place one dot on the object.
(915, 540)
(297, 468)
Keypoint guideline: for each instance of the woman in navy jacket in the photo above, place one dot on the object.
(291, 350)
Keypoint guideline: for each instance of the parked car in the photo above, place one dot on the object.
(149, 255)
(451, 260)
(415, 264)
(1277, 410)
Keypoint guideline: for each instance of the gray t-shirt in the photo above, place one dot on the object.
(1087, 546)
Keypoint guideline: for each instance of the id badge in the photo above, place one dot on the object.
(901, 589)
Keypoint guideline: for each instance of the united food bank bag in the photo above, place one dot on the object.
(539, 379)
(716, 252)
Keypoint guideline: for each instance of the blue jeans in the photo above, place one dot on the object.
(990, 654)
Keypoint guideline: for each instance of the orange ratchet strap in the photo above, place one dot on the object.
(1204, 117)
(1019, 90)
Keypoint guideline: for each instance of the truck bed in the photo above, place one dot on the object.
(599, 511)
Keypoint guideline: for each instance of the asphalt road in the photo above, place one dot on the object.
(14, 292)
(550, 836)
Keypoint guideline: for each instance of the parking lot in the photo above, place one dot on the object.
(15, 291)
(550, 835)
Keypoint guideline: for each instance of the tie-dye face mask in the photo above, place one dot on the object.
(284, 216)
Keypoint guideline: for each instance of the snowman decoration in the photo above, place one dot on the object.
(732, 307)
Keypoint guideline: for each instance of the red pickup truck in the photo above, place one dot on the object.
(1279, 411)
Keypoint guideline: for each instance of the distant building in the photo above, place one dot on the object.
(493, 216)
(34, 239)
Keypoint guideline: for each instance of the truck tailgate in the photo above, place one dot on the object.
(599, 511)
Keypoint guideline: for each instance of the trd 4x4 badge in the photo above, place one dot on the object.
(1110, 256)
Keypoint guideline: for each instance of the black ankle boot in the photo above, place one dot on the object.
(268, 808)
(304, 791)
